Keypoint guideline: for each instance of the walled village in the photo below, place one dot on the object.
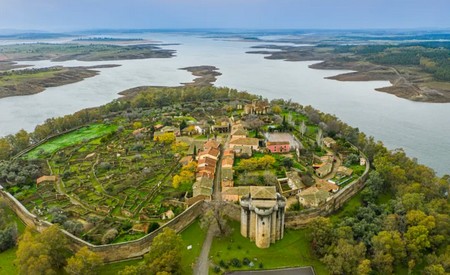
(126, 176)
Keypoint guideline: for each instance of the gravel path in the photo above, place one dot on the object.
(202, 265)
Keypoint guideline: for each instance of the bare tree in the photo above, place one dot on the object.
(319, 137)
(216, 217)
(303, 128)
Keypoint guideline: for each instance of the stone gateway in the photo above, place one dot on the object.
(262, 215)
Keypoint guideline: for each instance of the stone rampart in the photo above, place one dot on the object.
(109, 252)
(300, 219)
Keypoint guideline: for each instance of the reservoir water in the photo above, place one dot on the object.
(422, 129)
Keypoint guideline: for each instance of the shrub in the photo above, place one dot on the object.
(216, 269)
(223, 264)
(73, 227)
(59, 218)
(8, 237)
(246, 261)
(235, 262)
(137, 158)
(109, 236)
(104, 166)
(137, 147)
(126, 225)
(152, 227)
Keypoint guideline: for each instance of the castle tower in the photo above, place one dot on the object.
(262, 215)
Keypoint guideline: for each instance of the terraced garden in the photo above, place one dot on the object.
(114, 183)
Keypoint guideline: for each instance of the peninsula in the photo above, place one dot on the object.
(417, 71)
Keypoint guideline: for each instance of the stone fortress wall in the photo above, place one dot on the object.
(301, 218)
(109, 252)
(137, 248)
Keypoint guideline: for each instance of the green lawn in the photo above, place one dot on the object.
(193, 235)
(85, 133)
(348, 209)
(114, 268)
(6, 262)
(7, 257)
(292, 250)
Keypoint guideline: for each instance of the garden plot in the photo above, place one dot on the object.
(108, 184)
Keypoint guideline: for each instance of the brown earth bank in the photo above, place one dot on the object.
(9, 65)
(33, 81)
(206, 75)
(408, 83)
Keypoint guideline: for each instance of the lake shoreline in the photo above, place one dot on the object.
(402, 86)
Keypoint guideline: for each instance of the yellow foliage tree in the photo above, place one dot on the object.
(137, 124)
(179, 147)
(186, 175)
(276, 109)
(84, 262)
(42, 254)
(176, 180)
(166, 138)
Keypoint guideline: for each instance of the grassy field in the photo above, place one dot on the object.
(114, 268)
(75, 137)
(292, 250)
(193, 235)
(7, 257)
(349, 208)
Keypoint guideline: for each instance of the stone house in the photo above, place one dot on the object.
(252, 143)
(211, 144)
(343, 171)
(257, 107)
(313, 197)
(324, 170)
(242, 152)
(327, 186)
(234, 194)
(227, 177)
(238, 132)
(203, 187)
(278, 146)
(209, 153)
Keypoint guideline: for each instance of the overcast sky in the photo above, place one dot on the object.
(275, 14)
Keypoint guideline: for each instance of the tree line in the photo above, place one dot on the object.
(149, 98)
(49, 253)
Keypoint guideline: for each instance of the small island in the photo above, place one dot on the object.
(32, 81)
(206, 75)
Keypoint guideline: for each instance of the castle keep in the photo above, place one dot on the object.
(262, 215)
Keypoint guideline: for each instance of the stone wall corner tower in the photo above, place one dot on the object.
(262, 215)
